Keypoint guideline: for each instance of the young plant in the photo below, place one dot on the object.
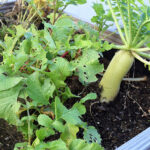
(33, 87)
(134, 33)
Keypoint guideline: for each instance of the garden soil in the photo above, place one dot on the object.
(117, 122)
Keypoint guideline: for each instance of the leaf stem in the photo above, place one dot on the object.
(141, 43)
(60, 13)
(139, 30)
(120, 47)
(29, 127)
(55, 10)
(146, 55)
(130, 23)
(140, 49)
(116, 22)
(140, 58)
(124, 23)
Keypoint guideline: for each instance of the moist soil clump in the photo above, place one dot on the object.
(117, 122)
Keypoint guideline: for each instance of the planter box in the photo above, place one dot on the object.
(7, 7)
(139, 142)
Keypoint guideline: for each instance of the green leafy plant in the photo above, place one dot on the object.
(58, 6)
(134, 33)
(33, 87)
(66, 122)
(102, 17)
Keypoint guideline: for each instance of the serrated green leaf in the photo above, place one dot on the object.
(82, 145)
(65, 22)
(48, 88)
(49, 39)
(26, 46)
(9, 104)
(69, 115)
(36, 142)
(2, 44)
(58, 125)
(107, 46)
(98, 9)
(72, 116)
(44, 120)
(80, 107)
(60, 70)
(67, 94)
(90, 96)
(87, 66)
(43, 133)
(20, 59)
(36, 91)
(62, 29)
(20, 31)
(22, 146)
(81, 42)
(91, 135)
(69, 133)
(7, 82)
(55, 145)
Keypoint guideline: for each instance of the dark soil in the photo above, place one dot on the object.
(8, 136)
(117, 122)
(127, 115)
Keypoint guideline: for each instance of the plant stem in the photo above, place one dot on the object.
(60, 13)
(55, 10)
(30, 19)
(130, 23)
(140, 58)
(64, 55)
(25, 14)
(124, 23)
(142, 42)
(120, 47)
(29, 127)
(138, 32)
(116, 22)
(140, 49)
(146, 55)
(108, 35)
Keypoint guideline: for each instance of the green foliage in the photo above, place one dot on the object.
(87, 66)
(91, 135)
(60, 70)
(40, 93)
(82, 145)
(33, 85)
(8, 82)
(132, 20)
(9, 104)
(134, 17)
(101, 18)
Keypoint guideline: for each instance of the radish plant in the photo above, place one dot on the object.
(134, 32)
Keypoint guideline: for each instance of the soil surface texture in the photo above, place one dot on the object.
(127, 115)
(8, 136)
(117, 122)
